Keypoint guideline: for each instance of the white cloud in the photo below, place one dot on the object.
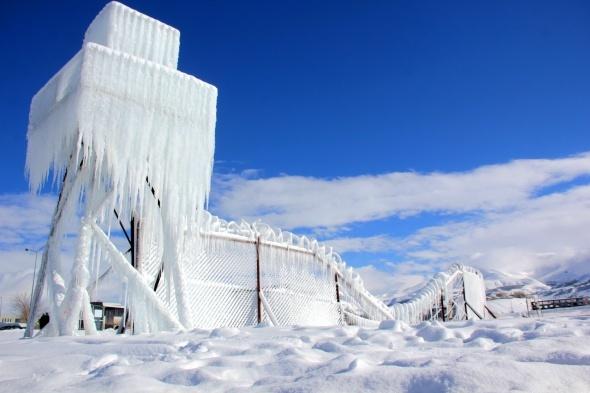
(24, 223)
(378, 243)
(16, 274)
(24, 219)
(515, 221)
(544, 233)
(307, 202)
(542, 237)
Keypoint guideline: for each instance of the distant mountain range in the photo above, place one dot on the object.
(504, 285)
(558, 284)
(570, 288)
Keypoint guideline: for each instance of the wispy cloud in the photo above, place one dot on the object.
(544, 233)
(24, 219)
(373, 244)
(307, 202)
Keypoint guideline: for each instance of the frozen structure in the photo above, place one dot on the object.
(116, 122)
(131, 139)
(459, 293)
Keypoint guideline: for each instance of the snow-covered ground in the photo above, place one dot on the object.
(557, 284)
(548, 354)
(511, 306)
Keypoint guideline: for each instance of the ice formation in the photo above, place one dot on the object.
(125, 30)
(132, 138)
(454, 294)
(117, 116)
(475, 293)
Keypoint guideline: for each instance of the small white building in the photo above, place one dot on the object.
(106, 315)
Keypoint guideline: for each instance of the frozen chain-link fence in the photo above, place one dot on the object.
(458, 293)
(241, 274)
(245, 274)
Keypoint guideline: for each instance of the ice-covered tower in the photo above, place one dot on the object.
(124, 131)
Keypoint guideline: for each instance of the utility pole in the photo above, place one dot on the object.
(33, 283)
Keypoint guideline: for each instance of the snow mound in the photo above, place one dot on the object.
(530, 355)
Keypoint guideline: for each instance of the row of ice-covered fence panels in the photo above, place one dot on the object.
(232, 278)
(444, 297)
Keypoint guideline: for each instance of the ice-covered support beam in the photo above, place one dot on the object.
(180, 287)
(161, 318)
(49, 271)
(77, 298)
(268, 309)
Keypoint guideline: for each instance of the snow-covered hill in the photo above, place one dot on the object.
(570, 288)
(501, 284)
(557, 284)
(551, 354)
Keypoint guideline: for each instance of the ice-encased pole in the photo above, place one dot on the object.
(46, 270)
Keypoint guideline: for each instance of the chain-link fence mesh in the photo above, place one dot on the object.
(236, 277)
(299, 287)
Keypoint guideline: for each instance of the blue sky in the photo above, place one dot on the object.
(327, 98)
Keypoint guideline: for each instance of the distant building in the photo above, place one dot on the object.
(106, 315)
(10, 319)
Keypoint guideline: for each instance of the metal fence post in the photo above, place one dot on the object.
(338, 298)
(337, 288)
(465, 300)
(258, 288)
